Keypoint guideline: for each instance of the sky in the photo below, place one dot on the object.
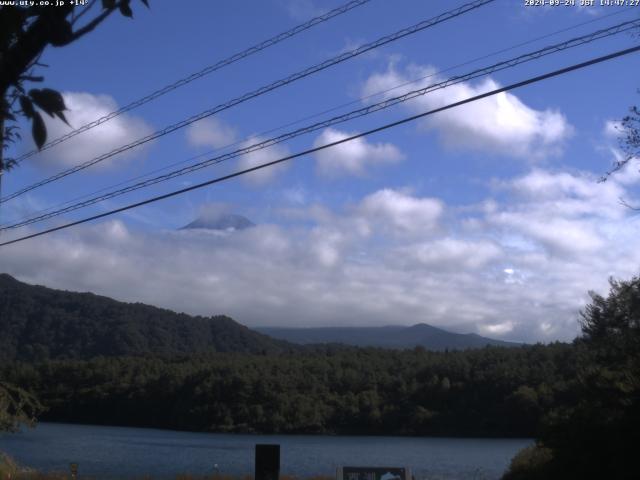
(486, 218)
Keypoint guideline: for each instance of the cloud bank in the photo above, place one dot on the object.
(517, 268)
(355, 157)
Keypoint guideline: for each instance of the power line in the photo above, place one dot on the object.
(205, 71)
(318, 114)
(260, 91)
(597, 35)
(513, 86)
(125, 182)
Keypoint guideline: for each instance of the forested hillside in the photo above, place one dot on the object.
(38, 323)
(486, 392)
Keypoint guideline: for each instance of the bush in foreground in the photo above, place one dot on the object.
(531, 463)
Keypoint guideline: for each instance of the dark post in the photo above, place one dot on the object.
(267, 462)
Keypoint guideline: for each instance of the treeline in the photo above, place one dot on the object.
(493, 391)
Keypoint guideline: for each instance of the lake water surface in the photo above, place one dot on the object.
(120, 453)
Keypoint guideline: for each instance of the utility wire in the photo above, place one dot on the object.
(603, 33)
(205, 71)
(512, 86)
(316, 115)
(260, 91)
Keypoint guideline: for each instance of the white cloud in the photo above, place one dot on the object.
(501, 123)
(295, 195)
(561, 236)
(566, 214)
(570, 194)
(210, 132)
(354, 157)
(265, 175)
(497, 328)
(400, 212)
(450, 253)
(82, 109)
(521, 270)
(327, 245)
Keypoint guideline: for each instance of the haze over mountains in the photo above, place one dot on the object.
(38, 323)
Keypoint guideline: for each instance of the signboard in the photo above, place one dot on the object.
(267, 462)
(373, 473)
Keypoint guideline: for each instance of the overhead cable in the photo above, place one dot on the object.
(572, 43)
(316, 115)
(260, 91)
(174, 193)
(201, 73)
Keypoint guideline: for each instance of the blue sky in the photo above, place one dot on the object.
(487, 218)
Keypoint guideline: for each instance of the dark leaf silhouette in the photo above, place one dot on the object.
(26, 106)
(39, 131)
(61, 116)
(125, 9)
(61, 32)
(48, 100)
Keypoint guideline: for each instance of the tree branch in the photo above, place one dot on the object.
(85, 10)
(89, 27)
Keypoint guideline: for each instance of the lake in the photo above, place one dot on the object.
(120, 452)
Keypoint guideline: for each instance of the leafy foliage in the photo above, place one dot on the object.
(629, 140)
(25, 32)
(17, 407)
(631, 133)
(531, 463)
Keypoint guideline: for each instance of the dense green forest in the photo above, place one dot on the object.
(39, 323)
(487, 392)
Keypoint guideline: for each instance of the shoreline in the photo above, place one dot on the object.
(260, 434)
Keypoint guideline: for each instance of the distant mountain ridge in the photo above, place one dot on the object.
(399, 337)
(38, 323)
